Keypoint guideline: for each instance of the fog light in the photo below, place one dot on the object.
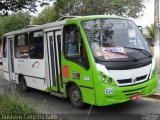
(109, 80)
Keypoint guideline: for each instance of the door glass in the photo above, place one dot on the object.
(11, 52)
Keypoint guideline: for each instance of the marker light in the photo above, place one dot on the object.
(109, 80)
(102, 78)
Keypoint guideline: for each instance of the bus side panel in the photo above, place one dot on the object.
(84, 82)
(33, 70)
(6, 76)
(37, 83)
(5, 69)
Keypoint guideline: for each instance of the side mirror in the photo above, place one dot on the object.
(140, 28)
(158, 24)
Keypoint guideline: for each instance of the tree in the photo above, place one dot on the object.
(15, 5)
(129, 8)
(149, 35)
(60, 8)
(150, 31)
(47, 15)
(14, 22)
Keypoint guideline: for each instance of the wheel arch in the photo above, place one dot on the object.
(20, 76)
(68, 85)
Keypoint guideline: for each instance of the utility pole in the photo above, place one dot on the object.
(156, 35)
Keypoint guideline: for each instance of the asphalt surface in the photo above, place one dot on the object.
(142, 109)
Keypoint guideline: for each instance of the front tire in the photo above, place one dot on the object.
(76, 97)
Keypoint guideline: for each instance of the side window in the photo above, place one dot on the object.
(4, 47)
(71, 41)
(36, 50)
(21, 46)
(74, 48)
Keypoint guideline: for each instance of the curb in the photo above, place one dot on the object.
(156, 96)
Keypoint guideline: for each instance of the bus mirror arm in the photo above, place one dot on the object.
(77, 29)
(140, 28)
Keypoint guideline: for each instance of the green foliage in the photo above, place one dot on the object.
(14, 22)
(129, 8)
(150, 31)
(47, 15)
(15, 5)
(9, 106)
(149, 35)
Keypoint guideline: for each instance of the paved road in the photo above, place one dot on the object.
(47, 104)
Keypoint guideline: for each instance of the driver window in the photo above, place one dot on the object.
(71, 41)
(74, 48)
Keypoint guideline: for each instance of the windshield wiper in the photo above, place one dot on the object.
(129, 56)
(101, 41)
(141, 50)
(97, 40)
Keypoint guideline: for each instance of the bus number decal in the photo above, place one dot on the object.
(109, 90)
(66, 71)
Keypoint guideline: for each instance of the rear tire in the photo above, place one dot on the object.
(76, 97)
(23, 85)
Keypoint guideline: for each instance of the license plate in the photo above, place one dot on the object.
(135, 97)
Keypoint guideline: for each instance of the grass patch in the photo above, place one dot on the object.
(8, 105)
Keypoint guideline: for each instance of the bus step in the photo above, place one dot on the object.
(57, 94)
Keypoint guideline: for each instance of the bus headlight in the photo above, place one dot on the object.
(106, 79)
(102, 78)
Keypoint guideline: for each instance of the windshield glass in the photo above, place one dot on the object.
(115, 39)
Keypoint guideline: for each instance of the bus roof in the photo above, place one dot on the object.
(99, 16)
(38, 27)
(61, 21)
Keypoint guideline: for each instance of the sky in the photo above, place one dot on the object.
(148, 15)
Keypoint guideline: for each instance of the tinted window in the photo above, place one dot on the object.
(21, 45)
(36, 45)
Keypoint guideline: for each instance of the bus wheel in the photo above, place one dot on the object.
(76, 97)
(23, 85)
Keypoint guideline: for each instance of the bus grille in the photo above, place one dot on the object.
(133, 92)
(132, 81)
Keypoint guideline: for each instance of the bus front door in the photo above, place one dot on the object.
(54, 50)
(11, 58)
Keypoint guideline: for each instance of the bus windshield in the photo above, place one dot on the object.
(115, 39)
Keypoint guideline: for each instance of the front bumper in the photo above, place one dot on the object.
(123, 94)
